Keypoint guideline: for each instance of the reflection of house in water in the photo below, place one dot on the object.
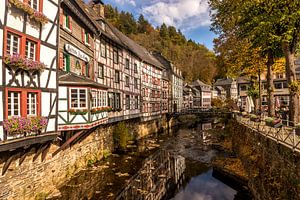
(206, 126)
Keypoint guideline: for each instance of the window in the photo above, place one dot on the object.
(117, 101)
(116, 57)
(30, 50)
(13, 101)
(103, 50)
(127, 63)
(66, 62)
(22, 102)
(280, 85)
(13, 43)
(243, 87)
(98, 98)
(34, 4)
(67, 22)
(136, 102)
(86, 38)
(117, 76)
(20, 44)
(31, 104)
(78, 98)
(127, 102)
(100, 70)
(126, 81)
(136, 83)
(135, 68)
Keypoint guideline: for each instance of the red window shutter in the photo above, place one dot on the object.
(90, 39)
(61, 61)
(83, 69)
(71, 23)
(61, 17)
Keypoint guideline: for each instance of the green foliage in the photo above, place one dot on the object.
(41, 196)
(106, 153)
(294, 87)
(253, 91)
(193, 59)
(121, 136)
(217, 103)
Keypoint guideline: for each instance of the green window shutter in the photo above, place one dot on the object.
(68, 63)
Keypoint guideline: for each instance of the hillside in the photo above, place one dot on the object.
(195, 60)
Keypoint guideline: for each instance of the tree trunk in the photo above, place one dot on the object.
(291, 77)
(270, 85)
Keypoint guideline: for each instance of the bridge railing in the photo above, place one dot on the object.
(285, 135)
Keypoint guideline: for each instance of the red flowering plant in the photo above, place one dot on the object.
(33, 14)
(78, 111)
(23, 125)
(17, 61)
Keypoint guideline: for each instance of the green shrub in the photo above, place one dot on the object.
(121, 136)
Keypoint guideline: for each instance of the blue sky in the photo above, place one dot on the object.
(190, 16)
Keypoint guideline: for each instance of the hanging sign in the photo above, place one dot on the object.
(76, 52)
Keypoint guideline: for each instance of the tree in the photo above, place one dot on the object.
(278, 22)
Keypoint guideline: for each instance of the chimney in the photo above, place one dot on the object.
(98, 7)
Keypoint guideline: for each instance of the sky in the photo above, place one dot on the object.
(190, 16)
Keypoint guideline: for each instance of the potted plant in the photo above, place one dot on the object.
(276, 123)
(254, 118)
(244, 114)
(269, 121)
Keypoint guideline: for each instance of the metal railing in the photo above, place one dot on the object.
(284, 134)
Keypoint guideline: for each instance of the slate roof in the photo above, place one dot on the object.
(165, 62)
(222, 82)
(243, 79)
(219, 88)
(69, 78)
(199, 83)
(140, 51)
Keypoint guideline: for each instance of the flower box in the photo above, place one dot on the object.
(33, 14)
(23, 125)
(276, 123)
(78, 111)
(18, 62)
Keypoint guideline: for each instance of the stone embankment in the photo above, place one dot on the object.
(272, 169)
(33, 176)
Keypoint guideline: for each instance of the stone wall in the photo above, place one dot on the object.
(273, 169)
(36, 179)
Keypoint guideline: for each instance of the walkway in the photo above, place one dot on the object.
(284, 135)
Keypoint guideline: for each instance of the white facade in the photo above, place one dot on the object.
(36, 41)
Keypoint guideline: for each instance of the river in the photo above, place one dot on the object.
(106, 179)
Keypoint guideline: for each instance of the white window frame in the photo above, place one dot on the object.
(28, 49)
(30, 103)
(78, 98)
(11, 36)
(12, 103)
(31, 2)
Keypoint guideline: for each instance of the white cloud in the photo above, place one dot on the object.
(131, 2)
(183, 14)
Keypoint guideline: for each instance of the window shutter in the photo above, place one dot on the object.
(90, 39)
(82, 35)
(61, 61)
(61, 17)
(71, 23)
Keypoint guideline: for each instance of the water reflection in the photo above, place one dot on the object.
(205, 187)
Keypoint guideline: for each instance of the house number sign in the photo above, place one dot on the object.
(76, 52)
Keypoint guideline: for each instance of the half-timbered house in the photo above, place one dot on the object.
(118, 68)
(28, 80)
(165, 96)
(82, 100)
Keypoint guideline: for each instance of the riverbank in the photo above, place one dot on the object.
(105, 179)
